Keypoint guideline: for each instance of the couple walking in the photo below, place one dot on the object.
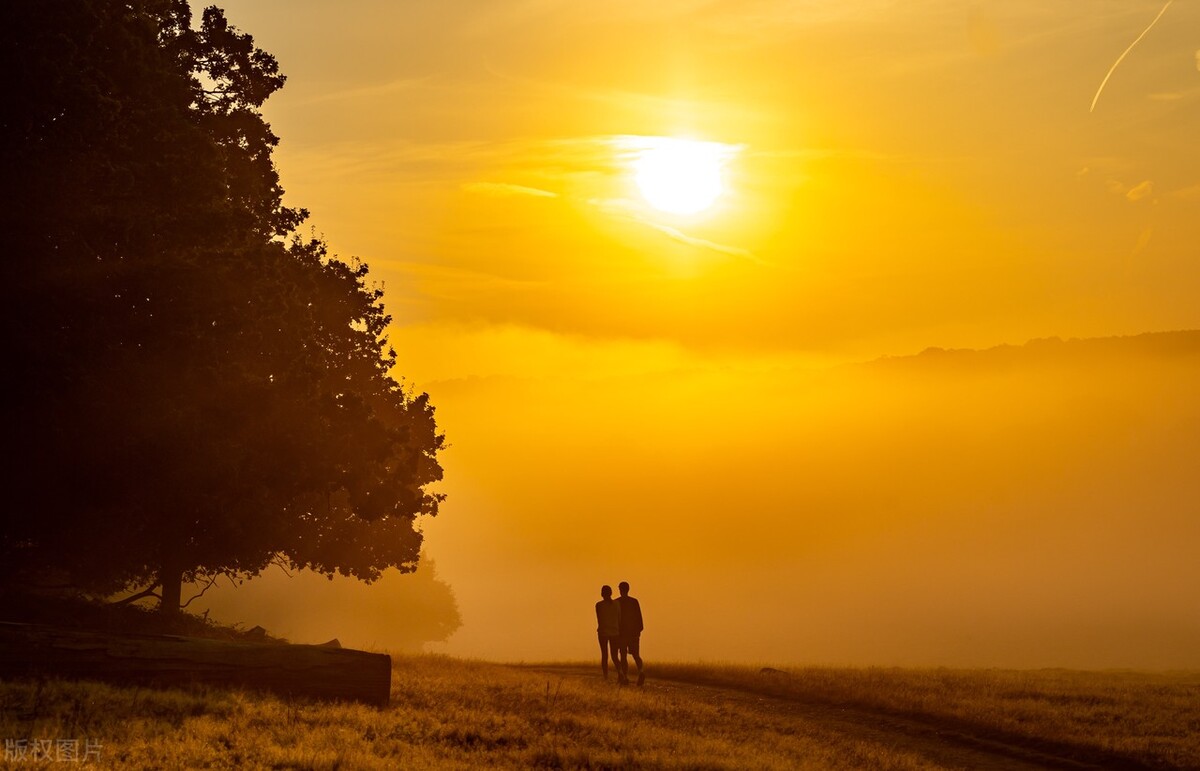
(619, 628)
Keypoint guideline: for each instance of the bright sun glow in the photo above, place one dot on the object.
(680, 176)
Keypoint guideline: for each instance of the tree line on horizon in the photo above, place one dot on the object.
(196, 389)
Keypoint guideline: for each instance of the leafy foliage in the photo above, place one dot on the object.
(193, 393)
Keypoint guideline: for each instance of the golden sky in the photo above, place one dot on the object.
(656, 397)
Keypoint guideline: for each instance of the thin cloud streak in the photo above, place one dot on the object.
(507, 189)
(626, 210)
(391, 87)
(1125, 53)
(701, 243)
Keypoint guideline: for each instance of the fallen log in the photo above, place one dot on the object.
(308, 671)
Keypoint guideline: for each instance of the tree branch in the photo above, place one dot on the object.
(278, 562)
(147, 592)
(207, 586)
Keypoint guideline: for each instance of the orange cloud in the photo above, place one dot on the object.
(1140, 190)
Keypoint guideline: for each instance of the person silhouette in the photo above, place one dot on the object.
(631, 633)
(608, 630)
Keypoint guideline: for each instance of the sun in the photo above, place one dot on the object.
(680, 176)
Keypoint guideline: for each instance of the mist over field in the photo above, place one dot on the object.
(399, 612)
(1032, 505)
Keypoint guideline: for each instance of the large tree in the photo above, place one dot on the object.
(194, 392)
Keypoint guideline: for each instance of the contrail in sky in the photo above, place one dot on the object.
(1125, 53)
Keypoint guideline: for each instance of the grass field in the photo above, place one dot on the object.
(449, 713)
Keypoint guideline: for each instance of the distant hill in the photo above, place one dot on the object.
(1051, 351)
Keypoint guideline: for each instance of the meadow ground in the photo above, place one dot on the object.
(448, 713)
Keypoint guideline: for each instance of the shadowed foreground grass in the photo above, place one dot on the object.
(448, 713)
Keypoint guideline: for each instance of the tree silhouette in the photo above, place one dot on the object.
(192, 392)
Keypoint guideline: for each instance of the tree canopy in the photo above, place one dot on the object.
(197, 389)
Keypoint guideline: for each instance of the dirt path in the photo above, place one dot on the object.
(945, 745)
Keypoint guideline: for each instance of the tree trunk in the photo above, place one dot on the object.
(171, 578)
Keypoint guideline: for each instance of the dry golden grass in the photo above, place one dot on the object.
(1141, 718)
(451, 714)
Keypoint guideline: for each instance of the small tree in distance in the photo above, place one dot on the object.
(195, 394)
